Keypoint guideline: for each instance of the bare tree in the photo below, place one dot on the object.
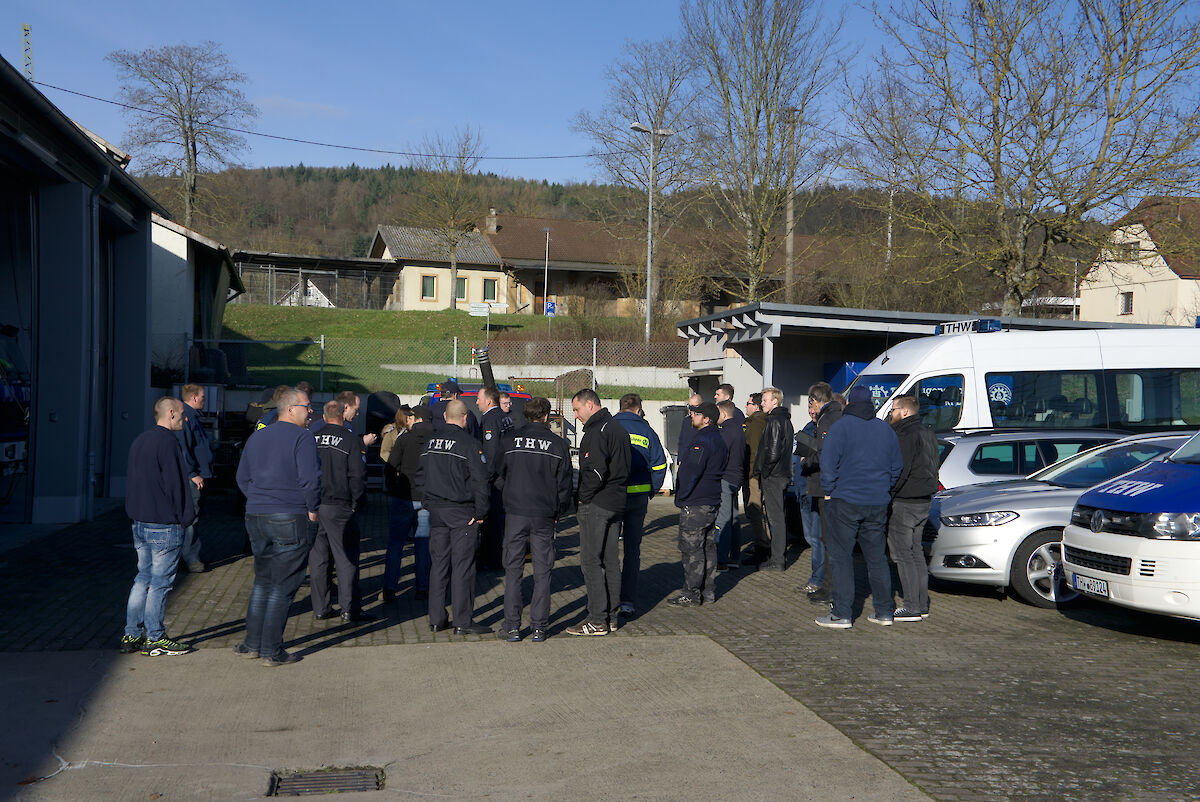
(450, 204)
(1020, 123)
(184, 102)
(765, 66)
(650, 83)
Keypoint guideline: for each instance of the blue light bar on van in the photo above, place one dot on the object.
(981, 326)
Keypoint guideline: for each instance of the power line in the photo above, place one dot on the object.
(280, 138)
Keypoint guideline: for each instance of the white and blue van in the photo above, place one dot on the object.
(1134, 541)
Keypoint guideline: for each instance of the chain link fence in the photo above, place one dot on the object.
(552, 368)
(341, 289)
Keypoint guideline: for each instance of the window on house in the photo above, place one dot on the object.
(1126, 303)
(1127, 251)
(489, 289)
(428, 288)
(460, 289)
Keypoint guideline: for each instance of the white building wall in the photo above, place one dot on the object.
(1159, 295)
(172, 296)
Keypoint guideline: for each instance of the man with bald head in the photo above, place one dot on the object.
(280, 475)
(453, 480)
(159, 502)
(343, 493)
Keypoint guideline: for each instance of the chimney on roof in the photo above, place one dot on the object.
(491, 221)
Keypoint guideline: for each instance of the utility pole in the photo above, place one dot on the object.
(789, 244)
(27, 39)
(654, 135)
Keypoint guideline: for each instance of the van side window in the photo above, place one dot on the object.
(940, 400)
(1050, 399)
(1157, 397)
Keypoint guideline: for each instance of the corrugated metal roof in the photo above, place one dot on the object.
(404, 242)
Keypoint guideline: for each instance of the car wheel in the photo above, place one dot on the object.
(1036, 575)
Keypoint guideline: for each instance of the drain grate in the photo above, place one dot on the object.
(326, 781)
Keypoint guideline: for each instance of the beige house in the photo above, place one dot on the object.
(1150, 273)
(423, 274)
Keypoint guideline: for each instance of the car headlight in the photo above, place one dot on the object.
(980, 519)
(1175, 525)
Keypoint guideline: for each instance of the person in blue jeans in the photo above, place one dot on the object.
(159, 501)
(860, 462)
(810, 514)
(280, 475)
(409, 519)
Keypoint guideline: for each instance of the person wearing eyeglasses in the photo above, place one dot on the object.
(280, 475)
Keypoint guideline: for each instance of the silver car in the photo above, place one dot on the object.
(992, 455)
(1009, 534)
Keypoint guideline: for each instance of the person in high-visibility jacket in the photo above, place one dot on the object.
(647, 469)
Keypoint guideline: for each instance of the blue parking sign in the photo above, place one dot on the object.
(550, 306)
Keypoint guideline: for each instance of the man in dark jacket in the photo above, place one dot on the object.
(860, 462)
(911, 497)
(343, 493)
(647, 469)
(408, 518)
(603, 474)
(453, 478)
(826, 411)
(198, 455)
(493, 424)
(280, 475)
(756, 422)
(450, 391)
(533, 472)
(686, 431)
(727, 535)
(159, 502)
(724, 392)
(698, 496)
(773, 467)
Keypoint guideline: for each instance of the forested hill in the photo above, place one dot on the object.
(333, 211)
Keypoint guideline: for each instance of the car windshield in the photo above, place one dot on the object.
(1188, 453)
(1099, 464)
(881, 385)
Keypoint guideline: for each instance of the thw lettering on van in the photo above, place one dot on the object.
(1126, 487)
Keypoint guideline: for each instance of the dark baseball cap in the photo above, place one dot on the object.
(708, 409)
(451, 388)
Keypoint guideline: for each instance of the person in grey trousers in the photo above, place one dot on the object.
(911, 497)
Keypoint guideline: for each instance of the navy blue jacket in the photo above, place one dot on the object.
(647, 462)
(534, 472)
(860, 458)
(197, 451)
(438, 410)
(735, 444)
(280, 471)
(156, 489)
(698, 480)
(343, 471)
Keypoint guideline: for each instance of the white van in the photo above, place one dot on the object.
(1128, 379)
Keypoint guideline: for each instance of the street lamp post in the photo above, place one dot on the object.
(654, 133)
(789, 252)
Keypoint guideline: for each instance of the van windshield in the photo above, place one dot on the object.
(881, 385)
(1188, 453)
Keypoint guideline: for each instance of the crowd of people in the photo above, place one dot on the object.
(489, 491)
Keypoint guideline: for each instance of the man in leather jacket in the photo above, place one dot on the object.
(773, 467)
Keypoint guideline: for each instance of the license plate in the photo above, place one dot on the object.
(1096, 587)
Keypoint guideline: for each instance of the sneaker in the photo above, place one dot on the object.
(510, 635)
(538, 636)
(808, 588)
(197, 567)
(905, 614)
(131, 644)
(612, 625)
(242, 650)
(770, 565)
(164, 646)
(684, 600)
(626, 609)
(820, 596)
(281, 658)
(587, 628)
(924, 613)
(831, 621)
(882, 620)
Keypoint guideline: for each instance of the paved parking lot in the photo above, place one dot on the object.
(987, 699)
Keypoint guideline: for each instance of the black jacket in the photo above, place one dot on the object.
(774, 458)
(492, 427)
(157, 489)
(343, 470)
(603, 462)
(735, 444)
(400, 472)
(698, 481)
(753, 427)
(533, 472)
(918, 448)
(830, 414)
(452, 473)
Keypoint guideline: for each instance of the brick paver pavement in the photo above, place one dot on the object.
(987, 699)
